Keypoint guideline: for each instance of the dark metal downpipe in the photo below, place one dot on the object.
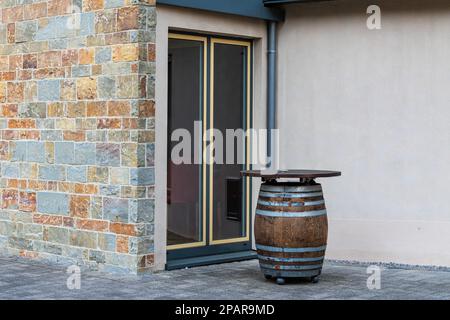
(271, 86)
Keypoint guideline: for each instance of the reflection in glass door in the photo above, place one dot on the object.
(208, 206)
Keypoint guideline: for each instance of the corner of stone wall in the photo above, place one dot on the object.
(77, 132)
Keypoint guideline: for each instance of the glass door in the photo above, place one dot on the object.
(230, 114)
(208, 202)
(186, 221)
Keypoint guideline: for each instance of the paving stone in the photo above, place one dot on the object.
(238, 280)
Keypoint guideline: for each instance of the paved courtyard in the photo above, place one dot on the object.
(24, 279)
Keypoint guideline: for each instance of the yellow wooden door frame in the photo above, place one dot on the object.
(204, 40)
(248, 45)
(207, 193)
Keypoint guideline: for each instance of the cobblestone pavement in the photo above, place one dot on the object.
(24, 279)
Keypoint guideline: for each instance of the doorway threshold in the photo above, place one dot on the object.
(211, 259)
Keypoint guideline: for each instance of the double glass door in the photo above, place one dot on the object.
(208, 205)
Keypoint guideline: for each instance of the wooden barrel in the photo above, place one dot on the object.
(291, 230)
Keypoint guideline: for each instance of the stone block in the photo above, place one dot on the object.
(84, 239)
(108, 154)
(59, 7)
(81, 71)
(36, 151)
(114, 3)
(123, 228)
(77, 174)
(125, 52)
(76, 109)
(92, 5)
(7, 228)
(97, 256)
(51, 135)
(27, 201)
(66, 124)
(4, 150)
(141, 210)
(103, 55)
(28, 170)
(49, 59)
(133, 155)
(146, 108)
(150, 154)
(79, 206)
(18, 150)
(57, 235)
(85, 153)
(47, 219)
(140, 245)
(10, 199)
(120, 175)
(110, 190)
(55, 109)
(15, 91)
(142, 176)
(69, 57)
(86, 56)
(106, 87)
(2, 92)
(105, 21)
(98, 174)
(10, 170)
(96, 108)
(19, 243)
(107, 242)
(68, 90)
(86, 88)
(87, 24)
(32, 232)
(30, 61)
(119, 108)
(122, 244)
(26, 31)
(115, 209)
(32, 110)
(128, 18)
(64, 153)
(52, 172)
(53, 203)
(49, 90)
(96, 208)
(57, 44)
(51, 248)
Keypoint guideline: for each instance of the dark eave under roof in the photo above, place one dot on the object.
(261, 9)
(247, 8)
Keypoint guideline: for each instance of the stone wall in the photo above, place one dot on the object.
(77, 131)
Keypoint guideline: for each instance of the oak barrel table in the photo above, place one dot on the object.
(291, 226)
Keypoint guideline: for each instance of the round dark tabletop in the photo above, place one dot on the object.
(297, 173)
